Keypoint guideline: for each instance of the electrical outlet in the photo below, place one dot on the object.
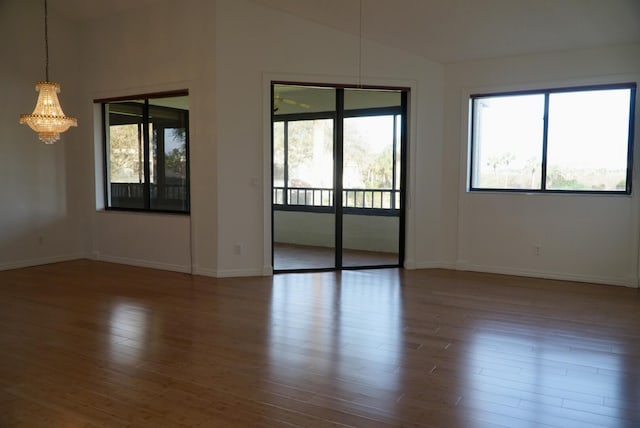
(537, 250)
(237, 249)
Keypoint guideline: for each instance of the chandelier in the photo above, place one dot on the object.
(48, 119)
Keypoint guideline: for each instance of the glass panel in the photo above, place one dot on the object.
(398, 171)
(368, 162)
(370, 240)
(588, 140)
(278, 163)
(125, 163)
(370, 176)
(294, 99)
(310, 162)
(507, 145)
(168, 154)
(303, 171)
(366, 98)
(303, 240)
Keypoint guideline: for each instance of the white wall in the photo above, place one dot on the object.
(167, 47)
(582, 237)
(175, 49)
(255, 45)
(225, 53)
(360, 232)
(304, 228)
(41, 211)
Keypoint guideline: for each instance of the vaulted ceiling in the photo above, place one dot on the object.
(447, 30)
(84, 10)
(455, 30)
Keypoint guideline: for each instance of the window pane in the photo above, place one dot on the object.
(371, 98)
(368, 162)
(292, 99)
(398, 141)
(398, 159)
(310, 150)
(175, 154)
(126, 155)
(168, 156)
(507, 142)
(588, 140)
(152, 176)
(278, 154)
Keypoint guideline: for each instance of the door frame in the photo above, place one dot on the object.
(338, 209)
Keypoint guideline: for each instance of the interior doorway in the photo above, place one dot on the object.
(338, 177)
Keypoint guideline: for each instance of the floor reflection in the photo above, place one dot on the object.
(91, 343)
(292, 256)
(129, 333)
(343, 335)
(541, 376)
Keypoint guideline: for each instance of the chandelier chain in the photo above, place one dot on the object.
(46, 42)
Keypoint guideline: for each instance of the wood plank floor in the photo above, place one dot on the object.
(90, 344)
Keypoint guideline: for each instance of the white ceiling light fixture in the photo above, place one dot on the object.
(48, 119)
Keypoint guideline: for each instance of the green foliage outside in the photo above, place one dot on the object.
(125, 162)
(499, 173)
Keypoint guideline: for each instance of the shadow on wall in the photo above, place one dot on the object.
(36, 226)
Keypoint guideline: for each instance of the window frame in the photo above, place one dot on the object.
(631, 86)
(146, 140)
(394, 111)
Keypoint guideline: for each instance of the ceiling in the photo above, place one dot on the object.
(447, 30)
(84, 10)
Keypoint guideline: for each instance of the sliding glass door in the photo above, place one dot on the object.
(371, 176)
(338, 168)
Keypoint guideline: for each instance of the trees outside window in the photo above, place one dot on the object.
(557, 140)
(147, 153)
(303, 161)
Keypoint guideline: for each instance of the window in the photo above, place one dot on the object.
(558, 140)
(303, 160)
(147, 153)
(372, 161)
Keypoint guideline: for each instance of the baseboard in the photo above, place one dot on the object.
(205, 272)
(630, 282)
(41, 261)
(144, 263)
(409, 264)
(562, 276)
(435, 265)
(232, 273)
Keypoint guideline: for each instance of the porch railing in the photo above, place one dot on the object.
(131, 195)
(382, 199)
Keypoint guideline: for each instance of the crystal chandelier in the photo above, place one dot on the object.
(48, 119)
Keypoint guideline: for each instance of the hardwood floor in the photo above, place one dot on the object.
(90, 344)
